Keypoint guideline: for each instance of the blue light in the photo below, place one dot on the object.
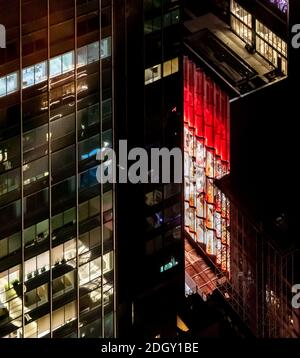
(90, 154)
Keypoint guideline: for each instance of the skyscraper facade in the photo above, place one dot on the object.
(148, 101)
(240, 246)
(79, 258)
(57, 229)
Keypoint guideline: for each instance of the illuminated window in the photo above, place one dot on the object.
(241, 22)
(28, 77)
(82, 56)
(58, 65)
(175, 65)
(68, 62)
(275, 41)
(2, 86)
(167, 68)
(271, 46)
(152, 74)
(36, 265)
(171, 67)
(108, 262)
(241, 30)
(106, 48)
(34, 74)
(41, 72)
(55, 66)
(12, 83)
(241, 13)
(93, 269)
(267, 44)
(93, 52)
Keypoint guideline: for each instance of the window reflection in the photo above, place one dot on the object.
(58, 65)
(35, 298)
(40, 72)
(63, 284)
(9, 182)
(10, 244)
(68, 62)
(12, 83)
(35, 143)
(55, 66)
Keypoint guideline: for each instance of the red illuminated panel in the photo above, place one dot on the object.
(206, 145)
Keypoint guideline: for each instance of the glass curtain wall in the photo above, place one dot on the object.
(56, 220)
(162, 124)
(206, 158)
(270, 46)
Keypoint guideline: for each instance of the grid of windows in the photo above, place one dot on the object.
(241, 22)
(58, 65)
(56, 258)
(156, 72)
(162, 127)
(271, 46)
(267, 44)
(241, 13)
(242, 30)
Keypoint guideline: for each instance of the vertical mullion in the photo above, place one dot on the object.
(21, 168)
(101, 184)
(49, 168)
(114, 174)
(77, 171)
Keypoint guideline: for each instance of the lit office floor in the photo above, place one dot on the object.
(223, 32)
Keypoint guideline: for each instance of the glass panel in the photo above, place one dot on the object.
(175, 65)
(93, 52)
(28, 77)
(106, 47)
(152, 74)
(68, 61)
(41, 72)
(82, 56)
(14, 242)
(55, 66)
(167, 68)
(2, 86)
(3, 248)
(12, 82)
(29, 235)
(43, 326)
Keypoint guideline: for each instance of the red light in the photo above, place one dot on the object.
(206, 141)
